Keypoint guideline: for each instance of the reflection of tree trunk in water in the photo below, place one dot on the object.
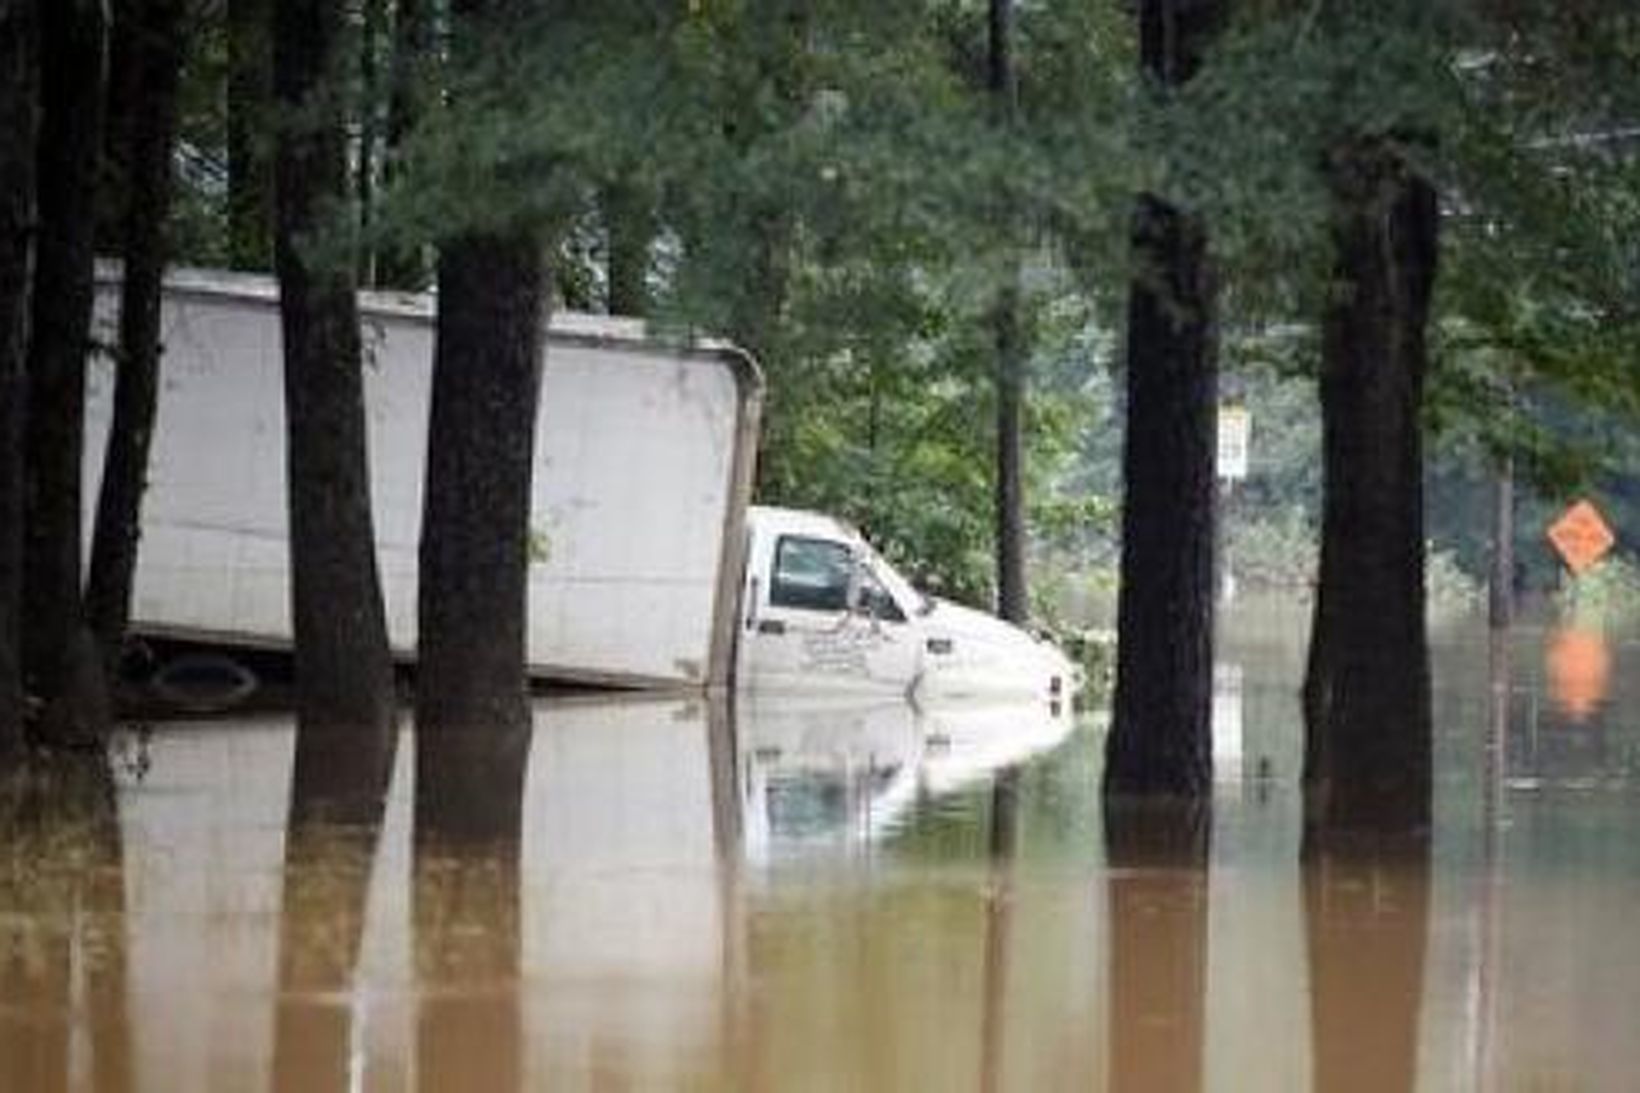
(338, 797)
(1366, 906)
(1156, 868)
(62, 928)
(723, 750)
(467, 905)
(998, 922)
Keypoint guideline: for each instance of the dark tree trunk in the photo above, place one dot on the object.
(1366, 909)
(60, 660)
(1367, 697)
(1013, 598)
(19, 126)
(119, 118)
(629, 222)
(1160, 739)
(400, 264)
(1156, 857)
(370, 135)
(344, 677)
(472, 713)
(250, 96)
(155, 41)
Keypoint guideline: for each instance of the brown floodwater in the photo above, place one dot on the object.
(832, 896)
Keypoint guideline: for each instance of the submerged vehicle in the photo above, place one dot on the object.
(650, 568)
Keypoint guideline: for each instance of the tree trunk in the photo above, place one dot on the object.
(366, 167)
(344, 677)
(629, 222)
(1367, 697)
(120, 116)
(155, 39)
(400, 264)
(472, 713)
(250, 93)
(19, 124)
(60, 661)
(1013, 599)
(1160, 739)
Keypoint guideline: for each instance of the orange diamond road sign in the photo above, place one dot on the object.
(1581, 536)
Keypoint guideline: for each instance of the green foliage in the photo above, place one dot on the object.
(1610, 590)
(831, 189)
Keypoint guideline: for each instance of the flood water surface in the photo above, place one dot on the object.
(825, 896)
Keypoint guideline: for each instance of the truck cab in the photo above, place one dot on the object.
(821, 611)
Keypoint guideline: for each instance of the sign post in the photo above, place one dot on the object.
(1235, 427)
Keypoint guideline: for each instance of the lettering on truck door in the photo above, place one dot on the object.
(822, 621)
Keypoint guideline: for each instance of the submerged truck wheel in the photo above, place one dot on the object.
(203, 682)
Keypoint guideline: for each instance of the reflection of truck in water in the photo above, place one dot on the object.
(651, 569)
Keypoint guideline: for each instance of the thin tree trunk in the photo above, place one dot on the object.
(1367, 691)
(472, 713)
(156, 40)
(19, 125)
(1501, 577)
(344, 675)
(400, 264)
(1013, 598)
(629, 222)
(250, 94)
(60, 660)
(120, 116)
(370, 136)
(1160, 740)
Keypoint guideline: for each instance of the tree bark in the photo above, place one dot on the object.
(1013, 597)
(1367, 690)
(472, 713)
(19, 125)
(155, 42)
(250, 93)
(1160, 739)
(344, 676)
(60, 661)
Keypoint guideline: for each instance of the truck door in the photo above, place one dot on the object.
(819, 619)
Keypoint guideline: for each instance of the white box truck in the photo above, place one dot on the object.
(651, 569)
